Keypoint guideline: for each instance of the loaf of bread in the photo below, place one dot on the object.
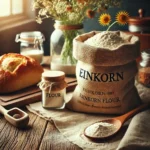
(18, 72)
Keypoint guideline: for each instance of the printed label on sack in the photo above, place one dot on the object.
(101, 77)
(96, 97)
(99, 99)
(106, 98)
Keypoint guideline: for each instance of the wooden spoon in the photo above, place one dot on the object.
(15, 116)
(114, 123)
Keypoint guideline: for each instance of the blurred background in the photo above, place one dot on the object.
(16, 16)
(131, 6)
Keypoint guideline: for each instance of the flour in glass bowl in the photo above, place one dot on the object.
(100, 129)
(106, 39)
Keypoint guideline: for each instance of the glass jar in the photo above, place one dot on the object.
(61, 44)
(31, 44)
(53, 88)
(144, 68)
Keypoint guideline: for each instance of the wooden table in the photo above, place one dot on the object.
(40, 134)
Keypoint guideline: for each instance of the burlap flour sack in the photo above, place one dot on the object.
(105, 76)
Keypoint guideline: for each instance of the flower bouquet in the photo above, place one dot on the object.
(70, 12)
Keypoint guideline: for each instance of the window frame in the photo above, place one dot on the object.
(15, 19)
(15, 15)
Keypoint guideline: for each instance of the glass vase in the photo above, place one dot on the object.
(61, 46)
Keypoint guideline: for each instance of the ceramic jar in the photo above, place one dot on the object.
(139, 24)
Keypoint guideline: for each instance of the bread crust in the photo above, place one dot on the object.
(18, 72)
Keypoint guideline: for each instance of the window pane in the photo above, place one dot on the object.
(4, 8)
(17, 6)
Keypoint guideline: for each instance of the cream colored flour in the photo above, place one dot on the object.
(106, 39)
(100, 129)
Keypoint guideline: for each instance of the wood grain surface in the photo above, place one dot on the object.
(39, 135)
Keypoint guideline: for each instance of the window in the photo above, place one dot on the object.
(14, 12)
(10, 8)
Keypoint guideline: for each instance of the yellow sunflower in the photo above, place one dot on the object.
(122, 17)
(104, 19)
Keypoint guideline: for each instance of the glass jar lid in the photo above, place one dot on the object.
(31, 34)
(30, 37)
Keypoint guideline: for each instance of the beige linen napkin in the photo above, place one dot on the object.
(143, 91)
(137, 136)
(71, 125)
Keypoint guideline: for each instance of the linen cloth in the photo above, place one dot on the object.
(71, 125)
(137, 136)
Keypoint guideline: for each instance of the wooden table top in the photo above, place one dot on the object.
(40, 134)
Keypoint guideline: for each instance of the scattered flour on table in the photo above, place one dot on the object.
(106, 39)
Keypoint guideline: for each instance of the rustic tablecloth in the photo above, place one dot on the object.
(71, 125)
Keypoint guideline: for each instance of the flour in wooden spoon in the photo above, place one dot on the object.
(100, 129)
(106, 39)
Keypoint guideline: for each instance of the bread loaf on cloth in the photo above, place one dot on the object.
(18, 72)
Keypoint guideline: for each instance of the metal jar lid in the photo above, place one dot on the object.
(30, 37)
(140, 23)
